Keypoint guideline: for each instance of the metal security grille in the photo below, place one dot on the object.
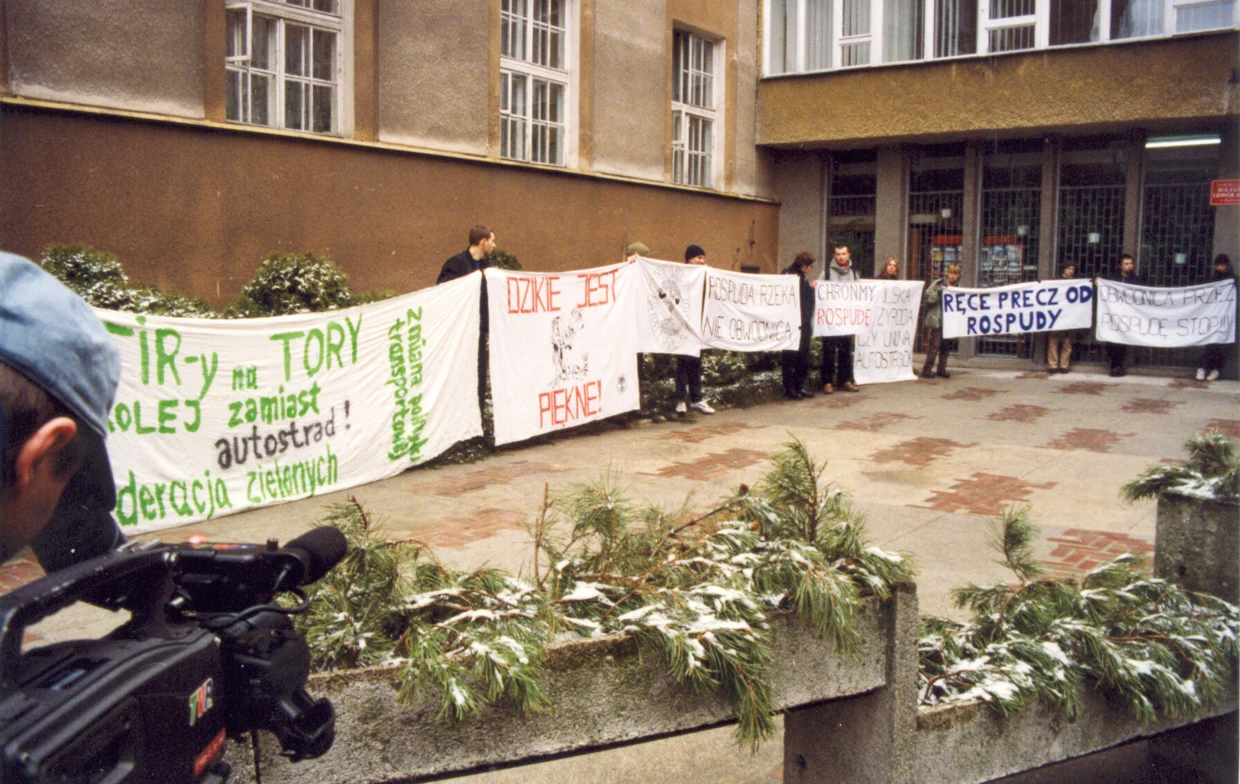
(1008, 253)
(847, 206)
(1091, 235)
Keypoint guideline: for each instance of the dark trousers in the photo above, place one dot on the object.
(688, 378)
(937, 348)
(1117, 353)
(795, 364)
(1216, 355)
(837, 360)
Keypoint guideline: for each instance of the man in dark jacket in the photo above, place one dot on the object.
(837, 352)
(475, 259)
(796, 363)
(1117, 353)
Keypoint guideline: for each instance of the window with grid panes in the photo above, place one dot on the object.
(694, 110)
(534, 80)
(283, 64)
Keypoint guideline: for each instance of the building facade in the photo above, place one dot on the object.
(194, 137)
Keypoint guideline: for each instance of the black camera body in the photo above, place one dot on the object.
(206, 656)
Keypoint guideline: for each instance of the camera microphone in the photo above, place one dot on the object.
(319, 550)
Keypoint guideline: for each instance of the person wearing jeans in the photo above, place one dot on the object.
(1059, 342)
(689, 369)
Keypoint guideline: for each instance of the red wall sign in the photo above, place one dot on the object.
(1224, 193)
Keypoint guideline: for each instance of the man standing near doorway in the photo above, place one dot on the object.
(937, 348)
(837, 352)
(1117, 353)
(475, 258)
(796, 363)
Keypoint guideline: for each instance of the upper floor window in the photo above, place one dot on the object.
(815, 35)
(284, 64)
(694, 109)
(536, 81)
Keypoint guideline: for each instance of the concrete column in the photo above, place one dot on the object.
(891, 207)
(1048, 229)
(867, 739)
(1132, 198)
(1227, 223)
(970, 225)
(799, 180)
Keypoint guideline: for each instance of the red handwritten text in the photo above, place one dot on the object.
(561, 406)
(599, 289)
(532, 295)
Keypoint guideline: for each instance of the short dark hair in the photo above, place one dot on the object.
(1128, 256)
(479, 233)
(27, 407)
(837, 245)
(1222, 258)
(803, 259)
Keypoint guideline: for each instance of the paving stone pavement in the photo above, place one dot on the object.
(930, 463)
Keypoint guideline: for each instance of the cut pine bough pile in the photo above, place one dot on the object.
(700, 591)
(1159, 650)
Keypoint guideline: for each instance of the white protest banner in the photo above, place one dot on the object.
(747, 312)
(212, 417)
(1038, 306)
(669, 307)
(843, 307)
(1166, 318)
(884, 350)
(563, 349)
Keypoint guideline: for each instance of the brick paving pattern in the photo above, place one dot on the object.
(457, 532)
(696, 435)
(713, 465)
(874, 422)
(1079, 551)
(18, 572)
(918, 451)
(498, 475)
(1228, 427)
(972, 393)
(982, 494)
(1088, 439)
(1145, 405)
(1021, 412)
(1085, 388)
(1034, 375)
(838, 400)
(1188, 383)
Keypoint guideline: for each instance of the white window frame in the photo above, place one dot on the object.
(683, 113)
(568, 78)
(1040, 19)
(873, 38)
(1172, 8)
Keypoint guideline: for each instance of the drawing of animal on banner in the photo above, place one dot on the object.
(571, 363)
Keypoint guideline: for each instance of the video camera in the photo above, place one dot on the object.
(207, 655)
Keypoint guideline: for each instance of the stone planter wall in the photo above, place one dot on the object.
(1198, 544)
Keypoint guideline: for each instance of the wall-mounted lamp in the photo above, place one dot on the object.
(1093, 238)
(945, 213)
(1158, 142)
(1181, 258)
(1022, 230)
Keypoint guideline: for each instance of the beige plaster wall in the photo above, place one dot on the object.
(1186, 77)
(434, 74)
(631, 73)
(746, 55)
(799, 176)
(140, 55)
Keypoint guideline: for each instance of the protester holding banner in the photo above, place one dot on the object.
(1117, 353)
(475, 258)
(891, 269)
(636, 250)
(689, 369)
(1215, 355)
(932, 320)
(796, 363)
(837, 351)
(1059, 342)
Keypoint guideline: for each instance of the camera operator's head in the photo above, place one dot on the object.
(58, 375)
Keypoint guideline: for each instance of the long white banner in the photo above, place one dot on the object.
(669, 307)
(563, 349)
(213, 417)
(1166, 318)
(1039, 306)
(884, 350)
(747, 312)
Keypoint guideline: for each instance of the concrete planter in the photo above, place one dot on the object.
(604, 692)
(1197, 544)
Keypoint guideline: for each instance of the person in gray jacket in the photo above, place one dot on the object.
(837, 352)
(932, 319)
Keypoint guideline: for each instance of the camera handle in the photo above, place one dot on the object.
(30, 604)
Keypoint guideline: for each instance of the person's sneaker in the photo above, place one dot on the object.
(1212, 375)
(681, 408)
(1201, 374)
(703, 406)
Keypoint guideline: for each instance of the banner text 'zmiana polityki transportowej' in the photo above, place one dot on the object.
(212, 417)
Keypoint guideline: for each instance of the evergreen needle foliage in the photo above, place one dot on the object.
(701, 591)
(1159, 649)
(1211, 472)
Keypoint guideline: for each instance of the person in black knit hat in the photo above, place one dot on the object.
(689, 369)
